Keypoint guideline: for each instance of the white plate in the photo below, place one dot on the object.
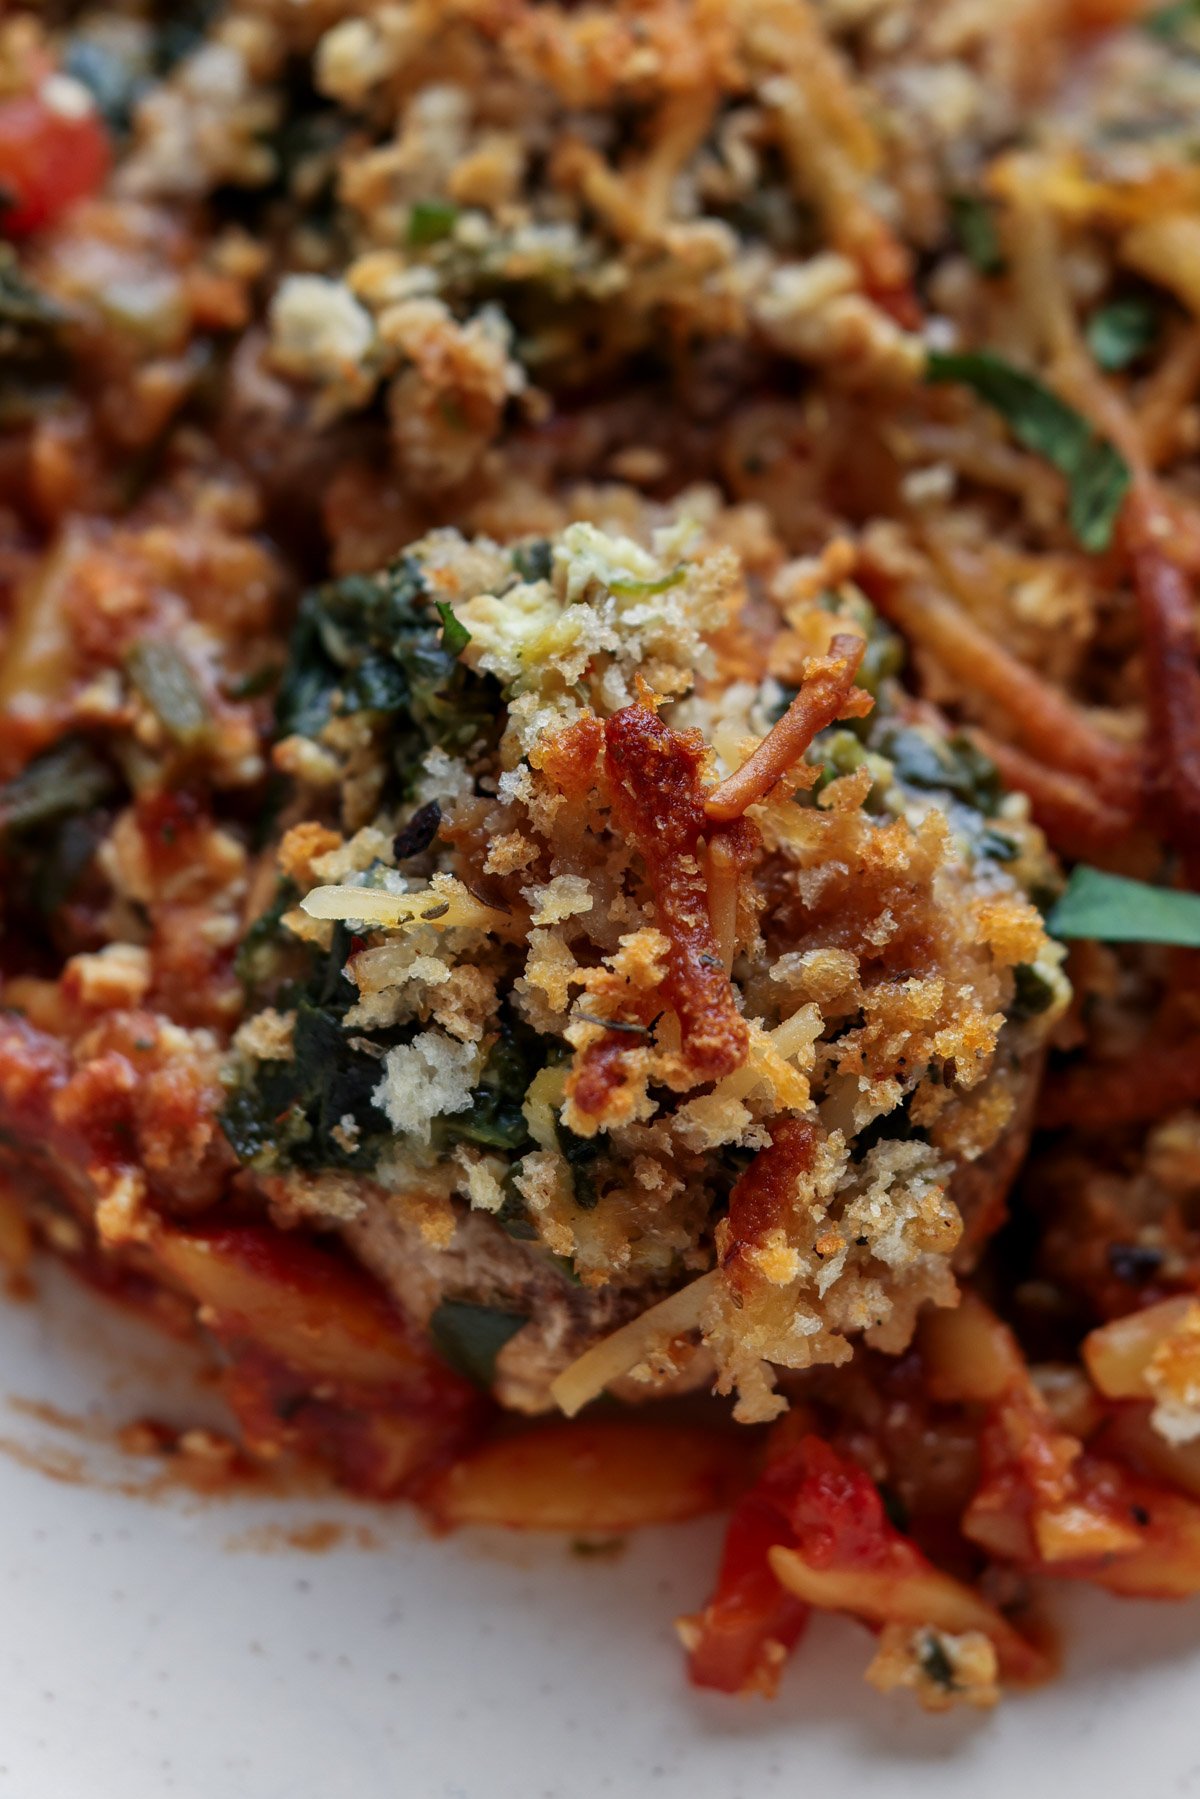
(144, 1654)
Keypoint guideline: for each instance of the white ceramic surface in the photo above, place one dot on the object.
(145, 1655)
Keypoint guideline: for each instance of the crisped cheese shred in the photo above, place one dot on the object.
(445, 904)
(606, 1362)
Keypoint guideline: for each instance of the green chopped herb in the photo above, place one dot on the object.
(949, 765)
(580, 1154)
(1097, 475)
(258, 951)
(534, 561)
(1119, 333)
(67, 779)
(1174, 21)
(640, 590)
(895, 1510)
(1033, 994)
(165, 681)
(997, 847)
(430, 221)
(23, 307)
(974, 222)
(599, 1549)
(455, 635)
(379, 643)
(1111, 909)
(249, 686)
(495, 1118)
(935, 1663)
(470, 1337)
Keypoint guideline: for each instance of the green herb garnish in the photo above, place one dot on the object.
(470, 1337)
(430, 221)
(533, 561)
(640, 590)
(1173, 22)
(68, 779)
(1111, 909)
(1097, 475)
(1119, 333)
(935, 1663)
(455, 635)
(495, 1118)
(380, 643)
(581, 1155)
(1033, 994)
(165, 681)
(942, 765)
(974, 222)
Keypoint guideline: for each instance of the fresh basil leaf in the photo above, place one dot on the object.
(1097, 475)
(470, 1337)
(1111, 909)
(974, 222)
(1119, 333)
(430, 221)
(455, 635)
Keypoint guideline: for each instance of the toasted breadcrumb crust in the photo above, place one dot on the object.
(536, 747)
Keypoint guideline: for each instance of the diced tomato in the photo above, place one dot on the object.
(48, 159)
(814, 1532)
(739, 1641)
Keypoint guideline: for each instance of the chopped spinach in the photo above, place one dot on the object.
(974, 222)
(1175, 21)
(581, 1155)
(33, 350)
(495, 1119)
(1117, 334)
(935, 1663)
(380, 643)
(533, 561)
(163, 677)
(1033, 994)
(69, 778)
(1097, 475)
(290, 1111)
(257, 958)
(895, 1510)
(470, 1337)
(1111, 909)
(996, 846)
(23, 307)
(53, 818)
(951, 765)
(182, 31)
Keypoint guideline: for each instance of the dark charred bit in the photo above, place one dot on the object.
(418, 833)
